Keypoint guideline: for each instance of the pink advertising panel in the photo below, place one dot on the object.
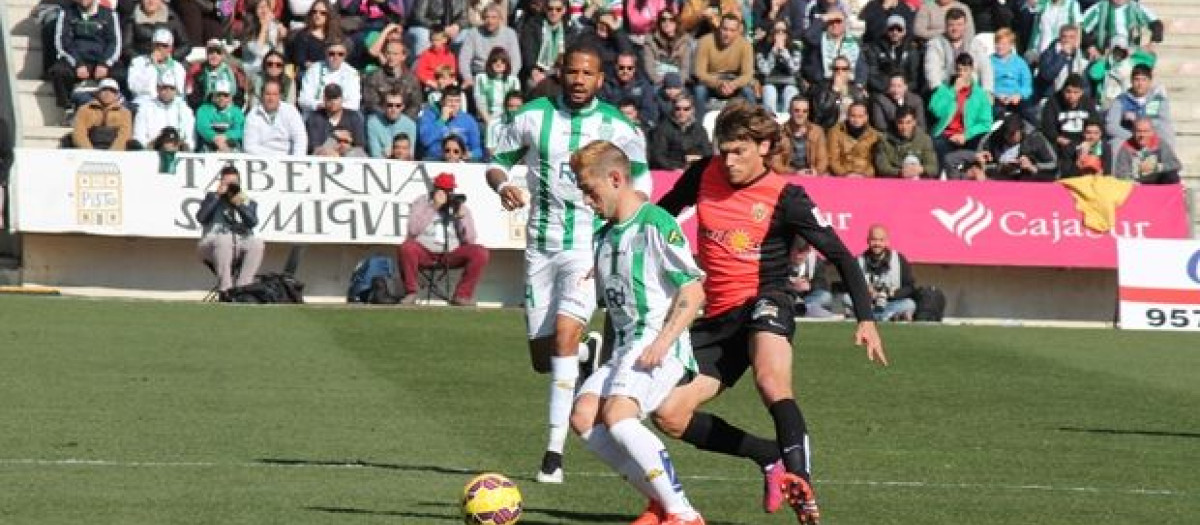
(982, 223)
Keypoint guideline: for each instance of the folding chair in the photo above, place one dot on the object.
(435, 280)
(214, 294)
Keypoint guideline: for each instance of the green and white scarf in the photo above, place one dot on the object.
(830, 50)
(553, 41)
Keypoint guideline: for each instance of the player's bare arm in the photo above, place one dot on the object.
(511, 197)
(682, 312)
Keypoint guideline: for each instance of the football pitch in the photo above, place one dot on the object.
(164, 413)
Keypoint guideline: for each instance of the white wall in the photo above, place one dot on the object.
(170, 268)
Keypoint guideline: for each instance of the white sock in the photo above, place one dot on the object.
(584, 352)
(655, 464)
(564, 371)
(600, 441)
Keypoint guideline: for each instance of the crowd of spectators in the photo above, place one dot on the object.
(1020, 90)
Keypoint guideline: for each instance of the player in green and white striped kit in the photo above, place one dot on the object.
(652, 289)
(559, 295)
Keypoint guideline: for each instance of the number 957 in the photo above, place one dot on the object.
(1175, 317)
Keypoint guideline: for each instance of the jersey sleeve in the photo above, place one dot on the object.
(633, 143)
(512, 144)
(666, 242)
(803, 218)
(686, 190)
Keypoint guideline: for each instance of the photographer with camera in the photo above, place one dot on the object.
(1017, 151)
(228, 218)
(889, 277)
(442, 231)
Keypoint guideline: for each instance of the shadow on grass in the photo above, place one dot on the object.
(358, 463)
(1120, 432)
(530, 516)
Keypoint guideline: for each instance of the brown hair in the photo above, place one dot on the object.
(742, 120)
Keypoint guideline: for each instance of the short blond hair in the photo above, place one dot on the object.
(1006, 34)
(599, 157)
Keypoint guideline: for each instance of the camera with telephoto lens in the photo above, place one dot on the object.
(882, 293)
(454, 202)
(232, 190)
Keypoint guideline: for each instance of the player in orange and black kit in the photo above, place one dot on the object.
(748, 218)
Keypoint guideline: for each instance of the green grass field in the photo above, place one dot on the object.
(153, 413)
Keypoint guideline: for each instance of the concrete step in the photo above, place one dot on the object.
(38, 106)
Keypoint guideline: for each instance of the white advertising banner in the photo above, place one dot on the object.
(1159, 281)
(300, 199)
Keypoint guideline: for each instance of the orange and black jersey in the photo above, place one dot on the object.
(745, 234)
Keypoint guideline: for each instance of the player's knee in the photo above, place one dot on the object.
(584, 413)
(670, 422)
(772, 387)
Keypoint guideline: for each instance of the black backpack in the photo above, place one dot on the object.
(273, 288)
(931, 304)
(269, 288)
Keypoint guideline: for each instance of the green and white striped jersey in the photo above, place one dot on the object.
(640, 265)
(544, 133)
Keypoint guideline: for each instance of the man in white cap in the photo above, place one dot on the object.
(332, 70)
(216, 67)
(894, 51)
(145, 71)
(219, 124)
(275, 127)
(103, 123)
(166, 110)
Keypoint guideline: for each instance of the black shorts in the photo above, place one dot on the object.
(721, 344)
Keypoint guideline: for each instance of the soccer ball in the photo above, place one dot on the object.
(491, 499)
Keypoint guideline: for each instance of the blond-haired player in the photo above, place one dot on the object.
(651, 288)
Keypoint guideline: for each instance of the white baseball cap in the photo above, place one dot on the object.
(109, 83)
(163, 35)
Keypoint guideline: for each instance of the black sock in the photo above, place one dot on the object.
(792, 434)
(713, 434)
(551, 461)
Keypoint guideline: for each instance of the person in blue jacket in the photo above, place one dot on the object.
(447, 118)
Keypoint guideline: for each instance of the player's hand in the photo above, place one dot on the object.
(868, 335)
(652, 356)
(511, 198)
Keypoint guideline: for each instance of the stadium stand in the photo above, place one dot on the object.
(36, 117)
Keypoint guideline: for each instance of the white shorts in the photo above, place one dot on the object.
(558, 283)
(650, 388)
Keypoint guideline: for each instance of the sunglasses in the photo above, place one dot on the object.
(666, 19)
(840, 68)
(626, 68)
(834, 22)
(391, 105)
(222, 95)
(452, 151)
(273, 64)
(556, 9)
(336, 53)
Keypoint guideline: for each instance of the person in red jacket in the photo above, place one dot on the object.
(438, 55)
